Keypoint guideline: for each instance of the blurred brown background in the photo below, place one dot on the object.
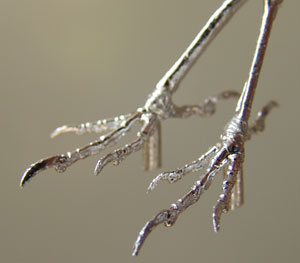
(66, 61)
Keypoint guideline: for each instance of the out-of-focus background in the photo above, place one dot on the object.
(67, 62)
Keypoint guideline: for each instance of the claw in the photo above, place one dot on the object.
(120, 154)
(160, 218)
(259, 123)
(61, 162)
(102, 162)
(224, 202)
(41, 165)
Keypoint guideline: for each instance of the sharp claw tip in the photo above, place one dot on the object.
(24, 179)
(216, 223)
(98, 168)
(152, 185)
(135, 252)
(216, 227)
(58, 131)
(150, 188)
(53, 134)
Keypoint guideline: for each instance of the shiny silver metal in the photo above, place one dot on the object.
(158, 107)
(228, 154)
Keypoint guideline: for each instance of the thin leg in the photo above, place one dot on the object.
(233, 142)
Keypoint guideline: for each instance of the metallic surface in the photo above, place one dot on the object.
(158, 106)
(229, 152)
(71, 61)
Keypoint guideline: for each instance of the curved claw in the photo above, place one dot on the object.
(259, 123)
(161, 217)
(41, 165)
(171, 177)
(104, 161)
(61, 130)
(62, 161)
(224, 201)
(120, 154)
